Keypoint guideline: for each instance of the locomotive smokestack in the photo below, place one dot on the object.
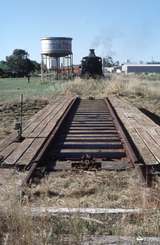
(92, 53)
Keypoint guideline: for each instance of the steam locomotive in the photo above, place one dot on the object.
(91, 66)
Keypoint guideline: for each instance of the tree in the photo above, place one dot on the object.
(153, 62)
(4, 69)
(37, 66)
(1, 73)
(4, 66)
(20, 52)
(19, 63)
(109, 62)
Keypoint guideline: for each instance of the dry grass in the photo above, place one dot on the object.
(140, 91)
(94, 189)
(18, 229)
(116, 84)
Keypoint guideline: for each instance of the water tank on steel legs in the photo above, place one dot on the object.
(56, 46)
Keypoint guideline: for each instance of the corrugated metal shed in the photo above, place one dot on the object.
(141, 68)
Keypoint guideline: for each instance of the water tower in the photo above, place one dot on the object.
(56, 58)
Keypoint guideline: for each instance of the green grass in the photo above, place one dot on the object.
(149, 76)
(11, 88)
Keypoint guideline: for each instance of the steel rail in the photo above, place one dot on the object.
(129, 149)
(132, 154)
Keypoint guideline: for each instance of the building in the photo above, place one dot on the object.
(141, 68)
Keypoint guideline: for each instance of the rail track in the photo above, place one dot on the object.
(88, 136)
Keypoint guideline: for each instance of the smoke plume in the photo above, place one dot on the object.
(103, 45)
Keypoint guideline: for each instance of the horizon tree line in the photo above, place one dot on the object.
(18, 64)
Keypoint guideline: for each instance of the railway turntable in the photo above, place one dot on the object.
(89, 134)
(90, 138)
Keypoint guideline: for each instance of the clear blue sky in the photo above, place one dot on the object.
(126, 29)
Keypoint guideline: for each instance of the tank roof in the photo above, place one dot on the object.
(58, 38)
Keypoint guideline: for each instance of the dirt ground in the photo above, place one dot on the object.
(10, 111)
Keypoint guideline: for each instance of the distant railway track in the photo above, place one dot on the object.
(88, 136)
